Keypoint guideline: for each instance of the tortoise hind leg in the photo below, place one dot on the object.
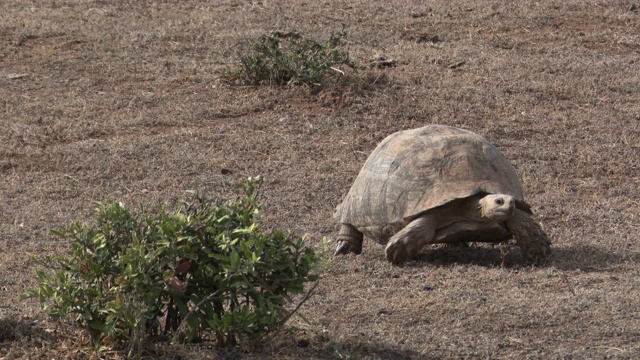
(408, 241)
(349, 240)
(532, 240)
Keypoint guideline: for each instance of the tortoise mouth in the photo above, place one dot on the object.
(509, 210)
(502, 214)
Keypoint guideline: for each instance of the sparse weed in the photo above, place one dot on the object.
(297, 61)
(107, 43)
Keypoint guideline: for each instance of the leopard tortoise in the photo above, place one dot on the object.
(437, 184)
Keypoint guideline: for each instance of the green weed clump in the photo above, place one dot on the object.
(202, 271)
(299, 60)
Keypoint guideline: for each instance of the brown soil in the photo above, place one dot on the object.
(122, 100)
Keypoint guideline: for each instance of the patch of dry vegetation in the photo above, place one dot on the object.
(123, 100)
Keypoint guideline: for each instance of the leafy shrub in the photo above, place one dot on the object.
(299, 61)
(202, 270)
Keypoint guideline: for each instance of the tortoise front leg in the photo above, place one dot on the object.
(349, 240)
(532, 240)
(408, 241)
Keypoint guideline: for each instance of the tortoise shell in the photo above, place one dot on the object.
(413, 171)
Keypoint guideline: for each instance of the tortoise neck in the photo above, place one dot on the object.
(472, 208)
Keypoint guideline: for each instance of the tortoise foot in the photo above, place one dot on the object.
(536, 252)
(532, 240)
(398, 252)
(349, 241)
(345, 247)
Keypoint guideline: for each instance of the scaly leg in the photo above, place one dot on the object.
(532, 240)
(408, 241)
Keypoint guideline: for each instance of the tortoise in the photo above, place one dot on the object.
(437, 184)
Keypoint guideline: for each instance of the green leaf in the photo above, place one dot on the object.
(57, 233)
(235, 259)
(193, 322)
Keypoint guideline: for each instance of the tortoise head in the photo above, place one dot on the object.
(498, 207)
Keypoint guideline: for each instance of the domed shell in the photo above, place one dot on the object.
(413, 171)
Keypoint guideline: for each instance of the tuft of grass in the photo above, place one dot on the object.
(340, 354)
(298, 60)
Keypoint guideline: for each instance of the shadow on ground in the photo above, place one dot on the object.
(17, 335)
(12, 329)
(349, 350)
(574, 257)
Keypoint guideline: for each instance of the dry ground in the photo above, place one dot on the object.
(122, 100)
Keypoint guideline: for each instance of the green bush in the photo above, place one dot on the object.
(203, 270)
(298, 61)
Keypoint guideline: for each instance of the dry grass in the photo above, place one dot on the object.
(123, 100)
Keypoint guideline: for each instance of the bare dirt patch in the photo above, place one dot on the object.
(123, 100)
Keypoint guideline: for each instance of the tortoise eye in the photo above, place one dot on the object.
(500, 201)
